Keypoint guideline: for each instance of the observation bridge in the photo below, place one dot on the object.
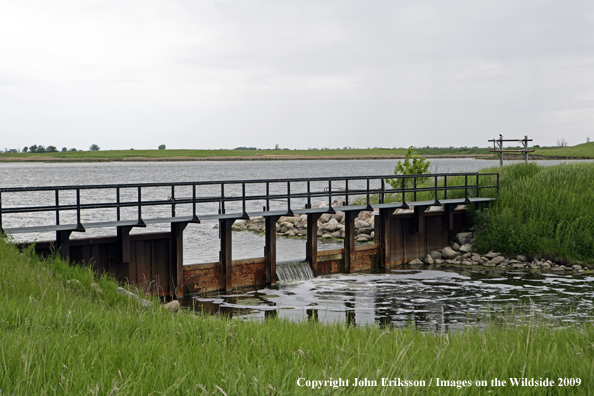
(153, 261)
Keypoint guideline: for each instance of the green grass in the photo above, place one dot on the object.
(119, 155)
(541, 211)
(70, 338)
(584, 150)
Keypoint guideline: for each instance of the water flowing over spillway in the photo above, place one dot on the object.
(292, 272)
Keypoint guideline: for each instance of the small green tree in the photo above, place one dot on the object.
(416, 166)
(162, 147)
(25, 149)
(94, 147)
(51, 149)
(64, 149)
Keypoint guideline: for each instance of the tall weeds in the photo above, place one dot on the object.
(541, 211)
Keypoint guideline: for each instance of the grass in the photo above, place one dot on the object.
(120, 155)
(584, 150)
(59, 336)
(541, 211)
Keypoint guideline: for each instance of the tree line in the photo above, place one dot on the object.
(52, 149)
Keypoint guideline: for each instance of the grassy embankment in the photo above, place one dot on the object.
(585, 150)
(153, 155)
(71, 338)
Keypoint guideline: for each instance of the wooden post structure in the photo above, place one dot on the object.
(63, 242)
(498, 148)
(176, 261)
(386, 239)
(311, 247)
(270, 248)
(225, 256)
(349, 240)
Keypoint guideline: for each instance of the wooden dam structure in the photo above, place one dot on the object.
(415, 214)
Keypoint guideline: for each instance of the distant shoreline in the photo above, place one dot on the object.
(47, 159)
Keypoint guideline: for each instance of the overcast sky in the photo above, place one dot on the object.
(300, 73)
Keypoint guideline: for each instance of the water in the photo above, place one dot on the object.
(292, 272)
(435, 298)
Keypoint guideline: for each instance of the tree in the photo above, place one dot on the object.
(33, 149)
(562, 142)
(72, 149)
(64, 149)
(25, 149)
(51, 149)
(162, 147)
(40, 149)
(94, 147)
(417, 166)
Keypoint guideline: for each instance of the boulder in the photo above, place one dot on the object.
(521, 258)
(172, 306)
(428, 259)
(326, 236)
(329, 227)
(366, 230)
(416, 262)
(448, 253)
(436, 254)
(463, 238)
(466, 248)
(361, 224)
(576, 267)
(455, 246)
(497, 260)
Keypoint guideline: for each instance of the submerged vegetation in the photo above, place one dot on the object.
(64, 332)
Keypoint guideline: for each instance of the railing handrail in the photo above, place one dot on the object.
(328, 191)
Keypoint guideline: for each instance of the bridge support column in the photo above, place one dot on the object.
(311, 247)
(386, 246)
(225, 257)
(176, 260)
(419, 221)
(63, 243)
(349, 239)
(448, 215)
(270, 248)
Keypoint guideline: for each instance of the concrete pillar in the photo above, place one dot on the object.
(270, 248)
(311, 247)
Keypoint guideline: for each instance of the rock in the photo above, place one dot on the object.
(361, 224)
(489, 264)
(491, 255)
(338, 216)
(327, 236)
(416, 262)
(329, 227)
(325, 218)
(545, 265)
(335, 234)
(365, 216)
(475, 257)
(438, 261)
(362, 238)
(366, 230)
(518, 265)
(467, 262)
(172, 306)
(557, 268)
(73, 281)
(436, 254)
(463, 238)
(448, 253)
(521, 258)
(466, 248)
(428, 259)
(320, 232)
(533, 266)
(497, 260)
(97, 288)
(576, 267)
(302, 232)
(290, 233)
(455, 246)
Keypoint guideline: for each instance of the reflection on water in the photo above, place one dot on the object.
(435, 298)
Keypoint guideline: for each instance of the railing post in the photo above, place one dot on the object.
(436, 197)
(403, 189)
(222, 198)
(382, 194)
(308, 195)
(415, 187)
(139, 204)
(173, 201)
(329, 193)
(268, 196)
(445, 187)
(118, 203)
(346, 186)
(477, 186)
(243, 196)
(466, 187)
(57, 207)
(367, 192)
(194, 201)
(289, 196)
(1, 229)
(78, 206)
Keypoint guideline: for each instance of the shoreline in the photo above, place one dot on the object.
(46, 159)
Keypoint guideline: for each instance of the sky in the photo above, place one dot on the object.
(301, 74)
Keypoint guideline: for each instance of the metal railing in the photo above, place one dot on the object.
(232, 194)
